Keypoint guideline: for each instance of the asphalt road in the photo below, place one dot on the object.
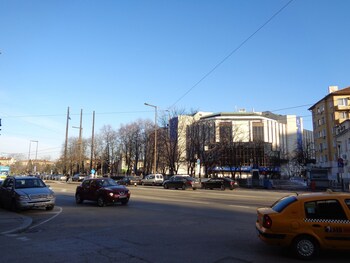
(158, 225)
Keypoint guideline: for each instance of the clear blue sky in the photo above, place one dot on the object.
(112, 56)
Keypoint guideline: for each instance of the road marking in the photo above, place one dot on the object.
(174, 200)
(23, 238)
(55, 215)
(243, 206)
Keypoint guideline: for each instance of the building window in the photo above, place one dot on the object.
(343, 115)
(342, 102)
(226, 132)
(258, 131)
(321, 147)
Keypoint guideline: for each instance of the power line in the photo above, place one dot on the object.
(232, 52)
(295, 107)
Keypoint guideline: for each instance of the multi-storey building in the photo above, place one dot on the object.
(342, 133)
(327, 114)
(281, 134)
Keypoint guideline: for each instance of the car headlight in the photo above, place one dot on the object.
(111, 194)
(23, 197)
(51, 196)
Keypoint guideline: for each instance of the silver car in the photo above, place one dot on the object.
(26, 192)
(153, 179)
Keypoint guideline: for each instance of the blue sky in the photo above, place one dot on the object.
(112, 56)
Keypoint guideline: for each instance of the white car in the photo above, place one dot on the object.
(26, 192)
(153, 179)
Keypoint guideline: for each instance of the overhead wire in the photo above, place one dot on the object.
(231, 53)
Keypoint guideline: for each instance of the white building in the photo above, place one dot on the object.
(285, 133)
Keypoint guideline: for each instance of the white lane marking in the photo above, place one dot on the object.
(56, 214)
(243, 206)
(23, 238)
(174, 200)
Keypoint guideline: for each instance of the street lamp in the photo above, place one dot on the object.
(155, 137)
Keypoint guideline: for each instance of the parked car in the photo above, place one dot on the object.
(153, 179)
(182, 182)
(115, 177)
(103, 191)
(307, 222)
(130, 180)
(59, 177)
(78, 177)
(26, 192)
(221, 183)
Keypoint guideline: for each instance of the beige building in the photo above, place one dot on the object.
(5, 161)
(327, 114)
(342, 133)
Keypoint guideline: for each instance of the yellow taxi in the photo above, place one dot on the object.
(307, 222)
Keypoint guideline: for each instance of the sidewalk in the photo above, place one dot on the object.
(11, 222)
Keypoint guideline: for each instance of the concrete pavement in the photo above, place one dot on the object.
(11, 222)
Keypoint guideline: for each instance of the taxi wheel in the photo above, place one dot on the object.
(305, 247)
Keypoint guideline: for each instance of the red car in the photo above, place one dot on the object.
(103, 191)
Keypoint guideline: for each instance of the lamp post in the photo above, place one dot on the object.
(155, 136)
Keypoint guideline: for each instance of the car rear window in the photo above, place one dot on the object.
(283, 203)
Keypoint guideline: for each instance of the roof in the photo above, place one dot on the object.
(232, 114)
(327, 194)
(342, 92)
(23, 177)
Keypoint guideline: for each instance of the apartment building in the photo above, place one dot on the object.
(342, 133)
(328, 114)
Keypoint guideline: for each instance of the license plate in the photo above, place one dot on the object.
(122, 196)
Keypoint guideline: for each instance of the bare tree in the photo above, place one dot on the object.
(172, 141)
(109, 149)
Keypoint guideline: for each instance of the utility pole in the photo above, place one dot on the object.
(81, 161)
(155, 136)
(66, 144)
(92, 140)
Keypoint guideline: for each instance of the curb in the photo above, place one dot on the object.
(26, 223)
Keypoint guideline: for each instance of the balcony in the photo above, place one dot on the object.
(342, 107)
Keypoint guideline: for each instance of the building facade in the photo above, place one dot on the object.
(276, 135)
(342, 133)
(327, 115)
